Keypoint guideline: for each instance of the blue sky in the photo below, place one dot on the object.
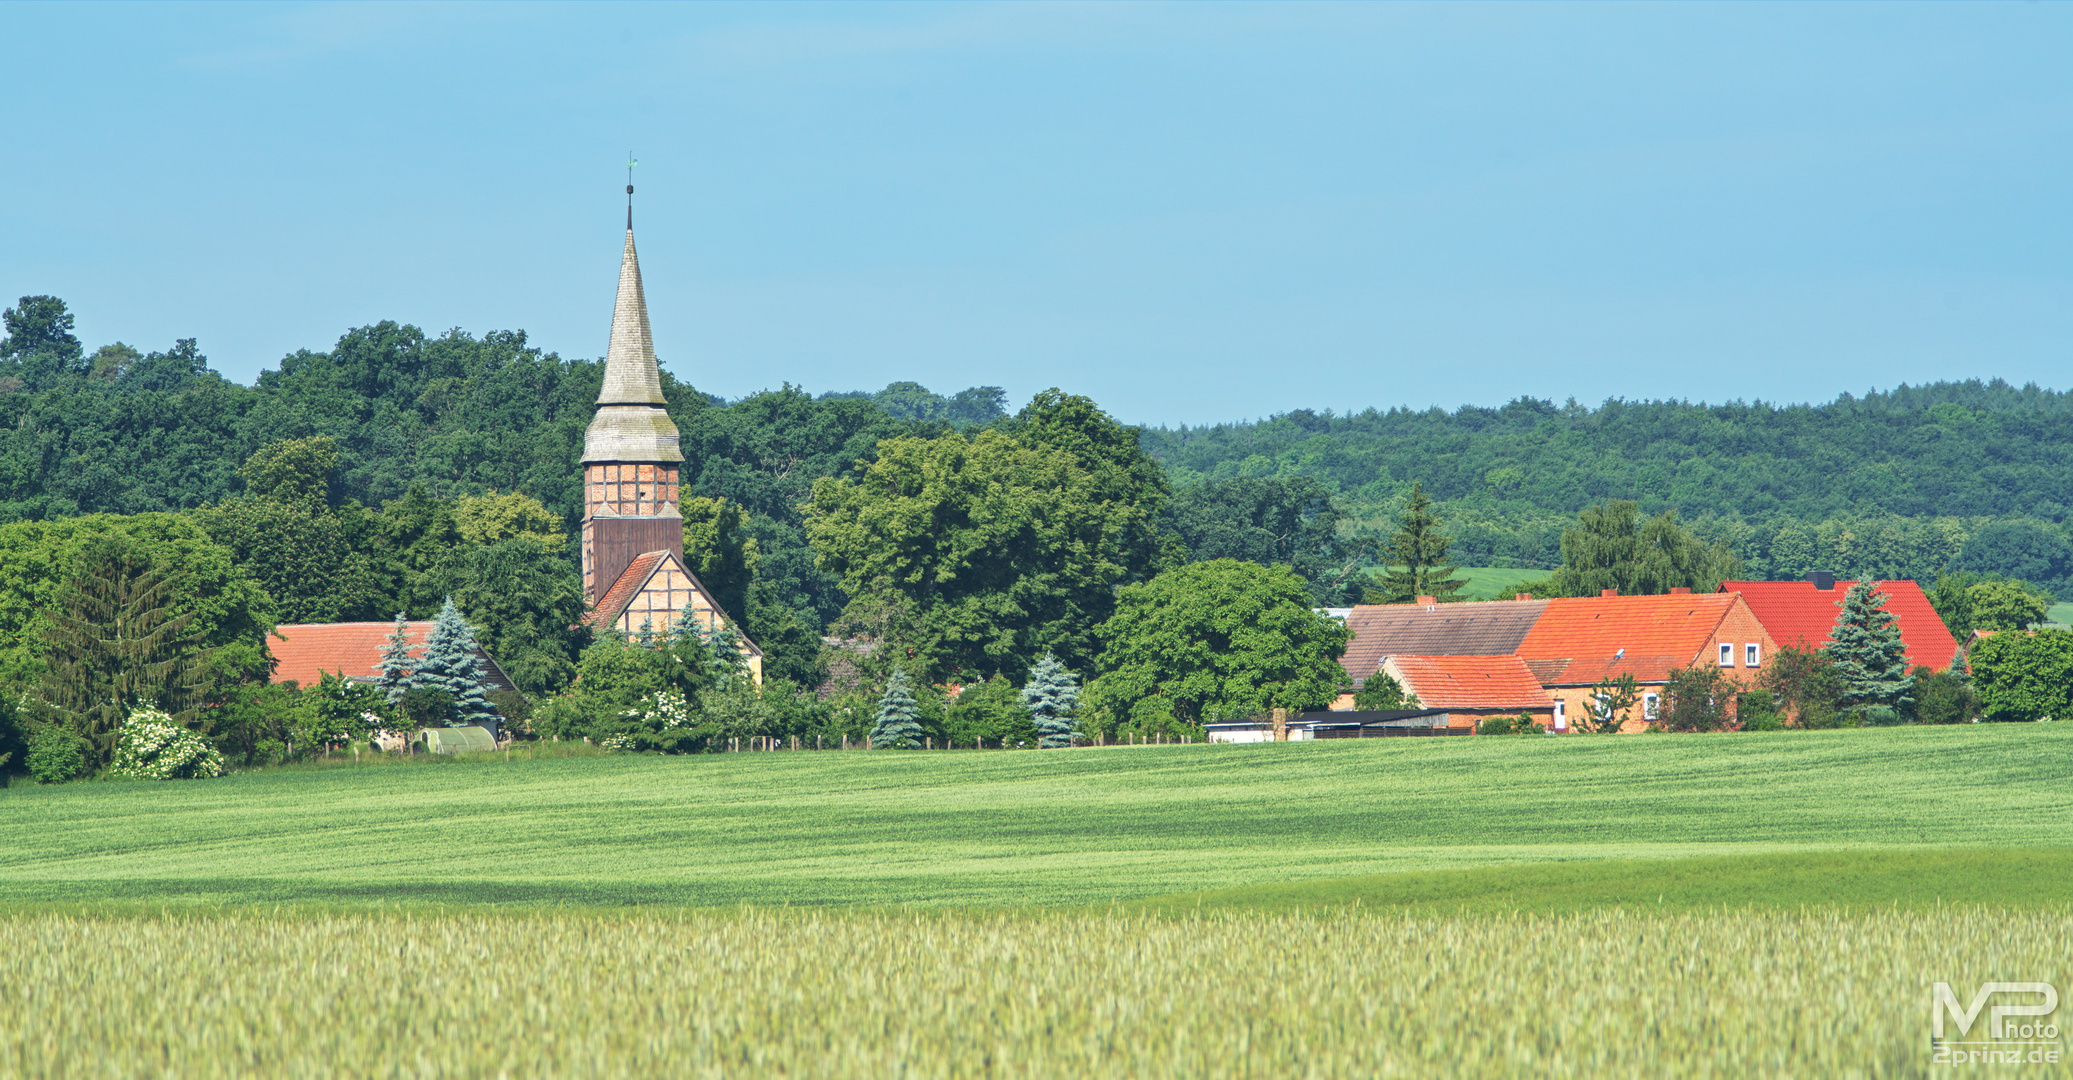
(1191, 213)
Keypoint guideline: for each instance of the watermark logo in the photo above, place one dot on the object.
(2018, 1031)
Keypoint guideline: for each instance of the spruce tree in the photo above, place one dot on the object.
(899, 722)
(1050, 697)
(1959, 668)
(395, 662)
(1865, 647)
(1420, 548)
(117, 642)
(453, 666)
(730, 656)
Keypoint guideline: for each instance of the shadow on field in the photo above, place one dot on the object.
(1853, 879)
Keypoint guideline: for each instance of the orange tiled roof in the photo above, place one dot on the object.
(1603, 637)
(303, 652)
(1797, 613)
(622, 592)
(1471, 682)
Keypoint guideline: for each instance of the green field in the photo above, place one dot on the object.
(1496, 582)
(1488, 582)
(1081, 827)
(1727, 905)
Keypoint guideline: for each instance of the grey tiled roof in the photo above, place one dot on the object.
(1474, 628)
(631, 423)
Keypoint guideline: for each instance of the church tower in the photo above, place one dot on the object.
(630, 452)
(634, 574)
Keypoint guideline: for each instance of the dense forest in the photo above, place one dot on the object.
(903, 534)
(1905, 483)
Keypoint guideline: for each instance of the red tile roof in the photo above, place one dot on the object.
(622, 592)
(1471, 682)
(1603, 637)
(1797, 613)
(304, 651)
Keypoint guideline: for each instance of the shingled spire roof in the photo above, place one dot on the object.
(631, 423)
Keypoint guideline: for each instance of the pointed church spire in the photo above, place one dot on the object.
(631, 423)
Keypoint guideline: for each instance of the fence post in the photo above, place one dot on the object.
(1281, 725)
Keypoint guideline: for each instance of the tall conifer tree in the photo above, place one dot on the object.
(1865, 647)
(395, 661)
(899, 722)
(117, 642)
(453, 665)
(1051, 696)
(1420, 548)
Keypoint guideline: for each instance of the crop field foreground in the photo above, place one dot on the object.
(1078, 828)
(843, 993)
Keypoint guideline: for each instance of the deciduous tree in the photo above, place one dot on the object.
(997, 549)
(1695, 698)
(1607, 709)
(1382, 693)
(1211, 638)
(2024, 676)
(1804, 683)
(1612, 548)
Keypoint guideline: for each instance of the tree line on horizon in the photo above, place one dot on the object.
(962, 541)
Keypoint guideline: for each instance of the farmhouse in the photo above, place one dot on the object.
(1803, 613)
(1469, 656)
(1582, 641)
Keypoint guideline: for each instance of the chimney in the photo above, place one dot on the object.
(1523, 596)
(1822, 580)
(1429, 601)
(1680, 590)
(1608, 592)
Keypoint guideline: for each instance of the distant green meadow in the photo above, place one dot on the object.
(1525, 818)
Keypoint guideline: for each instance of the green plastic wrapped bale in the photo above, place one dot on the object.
(457, 740)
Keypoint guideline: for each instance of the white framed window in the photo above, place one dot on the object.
(1727, 654)
(1752, 655)
(1648, 705)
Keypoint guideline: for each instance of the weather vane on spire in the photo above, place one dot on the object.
(630, 163)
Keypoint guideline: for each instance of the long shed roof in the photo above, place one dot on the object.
(303, 652)
(1472, 628)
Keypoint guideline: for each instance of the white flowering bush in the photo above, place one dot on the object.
(663, 721)
(151, 746)
(666, 713)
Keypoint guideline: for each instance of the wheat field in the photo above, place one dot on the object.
(831, 993)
